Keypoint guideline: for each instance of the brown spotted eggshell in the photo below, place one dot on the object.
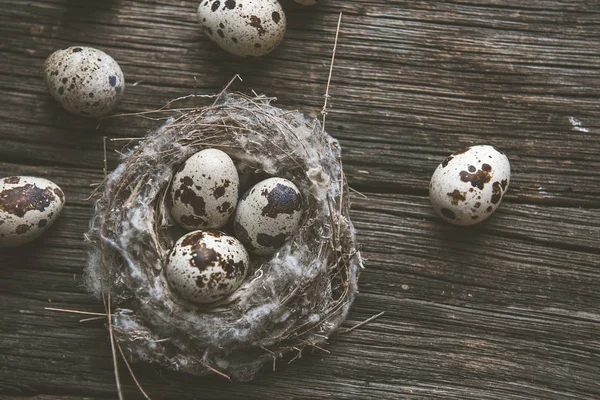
(28, 206)
(84, 80)
(243, 27)
(204, 267)
(204, 190)
(268, 214)
(468, 186)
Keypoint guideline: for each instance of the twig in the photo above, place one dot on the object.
(216, 371)
(364, 196)
(226, 88)
(297, 356)
(333, 227)
(104, 170)
(95, 190)
(324, 110)
(75, 311)
(108, 315)
(195, 91)
(105, 161)
(364, 322)
(133, 193)
(340, 215)
(126, 139)
(318, 347)
(93, 318)
(114, 353)
(131, 372)
(165, 107)
(160, 110)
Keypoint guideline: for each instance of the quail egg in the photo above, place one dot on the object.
(204, 267)
(84, 80)
(28, 206)
(204, 190)
(468, 186)
(268, 214)
(243, 27)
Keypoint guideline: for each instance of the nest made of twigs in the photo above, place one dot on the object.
(296, 298)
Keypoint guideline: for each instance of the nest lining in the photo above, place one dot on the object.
(297, 297)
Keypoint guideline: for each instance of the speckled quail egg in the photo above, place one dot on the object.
(204, 190)
(468, 186)
(204, 267)
(268, 214)
(28, 206)
(84, 80)
(243, 27)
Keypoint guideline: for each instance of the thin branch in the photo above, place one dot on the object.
(160, 110)
(114, 353)
(297, 356)
(105, 160)
(333, 226)
(318, 347)
(131, 372)
(75, 311)
(126, 139)
(216, 371)
(340, 211)
(364, 196)
(92, 318)
(94, 191)
(226, 88)
(324, 110)
(104, 170)
(363, 323)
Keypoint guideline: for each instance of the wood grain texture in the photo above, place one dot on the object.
(508, 309)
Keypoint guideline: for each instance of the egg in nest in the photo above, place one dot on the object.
(204, 190)
(268, 214)
(206, 266)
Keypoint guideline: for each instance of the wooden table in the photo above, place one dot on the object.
(509, 309)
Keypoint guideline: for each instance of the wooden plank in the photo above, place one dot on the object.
(412, 84)
(498, 312)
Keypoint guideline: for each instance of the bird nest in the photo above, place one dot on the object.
(298, 297)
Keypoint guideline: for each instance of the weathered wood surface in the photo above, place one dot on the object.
(506, 310)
